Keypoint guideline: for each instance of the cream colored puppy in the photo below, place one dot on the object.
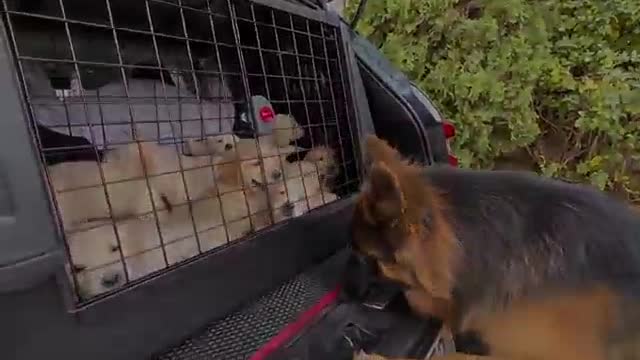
(174, 176)
(82, 198)
(143, 243)
(242, 186)
(211, 145)
(323, 157)
(299, 194)
(285, 130)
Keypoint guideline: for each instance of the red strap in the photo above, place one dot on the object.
(297, 326)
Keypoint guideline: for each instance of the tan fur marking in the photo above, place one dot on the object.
(563, 327)
(425, 305)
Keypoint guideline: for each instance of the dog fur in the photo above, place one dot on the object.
(534, 268)
(285, 131)
(80, 193)
(211, 145)
(80, 190)
(200, 202)
(301, 193)
(246, 182)
(97, 253)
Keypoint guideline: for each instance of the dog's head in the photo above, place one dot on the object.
(286, 130)
(399, 225)
(96, 264)
(211, 145)
(92, 282)
(324, 158)
(289, 198)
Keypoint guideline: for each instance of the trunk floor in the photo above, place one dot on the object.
(240, 334)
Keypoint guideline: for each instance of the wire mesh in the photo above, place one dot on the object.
(170, 128)
(241, 333)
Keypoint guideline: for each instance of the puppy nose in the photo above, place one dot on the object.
(110, 280)
(277, 174)
(228, 147)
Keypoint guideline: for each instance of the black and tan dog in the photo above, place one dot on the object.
(526, 267)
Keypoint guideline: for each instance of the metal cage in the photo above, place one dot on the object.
(167, 129)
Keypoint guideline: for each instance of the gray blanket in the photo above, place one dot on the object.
(153, 110)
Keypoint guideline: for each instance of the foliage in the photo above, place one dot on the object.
(556, 80)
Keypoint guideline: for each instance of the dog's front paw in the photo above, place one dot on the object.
(361, 355)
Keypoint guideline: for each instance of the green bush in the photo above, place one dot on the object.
(554, 84)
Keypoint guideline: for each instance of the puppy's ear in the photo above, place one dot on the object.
(385, 200)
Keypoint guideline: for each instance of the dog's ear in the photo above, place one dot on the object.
(385, 198)
(379, 150)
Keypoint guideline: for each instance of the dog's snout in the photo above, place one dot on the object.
(228, 147)
(111, 279)
(362, 282)
(359, 275)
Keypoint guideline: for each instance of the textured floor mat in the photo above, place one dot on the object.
(240, 334)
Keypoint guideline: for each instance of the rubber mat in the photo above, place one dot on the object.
(241, 333)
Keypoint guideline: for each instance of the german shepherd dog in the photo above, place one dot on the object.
(517, 266)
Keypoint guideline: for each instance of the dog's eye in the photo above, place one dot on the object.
(219, 141)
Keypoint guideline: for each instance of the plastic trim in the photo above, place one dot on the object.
(29, 237)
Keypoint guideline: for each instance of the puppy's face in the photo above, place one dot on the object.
(324, 158)
(92, 282)
(288, 198)
(212, 145)
(96, 264)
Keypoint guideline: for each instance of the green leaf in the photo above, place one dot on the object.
(523, 68)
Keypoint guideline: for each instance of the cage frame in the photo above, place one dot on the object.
(32, 260)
